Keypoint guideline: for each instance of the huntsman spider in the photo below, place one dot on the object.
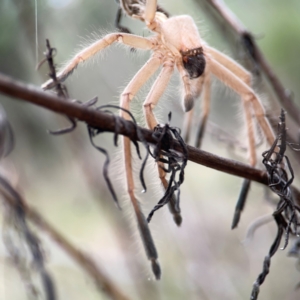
(175, 43)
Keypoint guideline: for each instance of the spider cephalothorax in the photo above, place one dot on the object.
(175, 43)
(194, 62)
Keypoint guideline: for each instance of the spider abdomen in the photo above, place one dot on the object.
(194, 62)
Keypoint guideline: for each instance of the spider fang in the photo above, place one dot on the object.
(194, 62)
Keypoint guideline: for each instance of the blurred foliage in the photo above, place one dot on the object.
(62, 176)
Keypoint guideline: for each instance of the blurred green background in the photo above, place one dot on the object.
(61, 176)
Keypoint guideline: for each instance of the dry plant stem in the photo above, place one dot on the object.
(82, 259)
(106, 122)
(236, 25)
(18, 213)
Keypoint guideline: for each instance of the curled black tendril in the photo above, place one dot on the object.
(286, 214)
(173, 163)
(96, 131)
(92, 133)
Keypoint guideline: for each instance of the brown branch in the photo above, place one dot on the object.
(102, 281)
(284, 97)
(106, 122)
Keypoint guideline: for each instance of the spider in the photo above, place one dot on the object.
(176, 43)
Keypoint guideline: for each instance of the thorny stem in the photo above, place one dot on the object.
(250, 45)
(81, 258)
(106, 122)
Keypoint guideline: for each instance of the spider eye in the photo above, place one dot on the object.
(194, 62)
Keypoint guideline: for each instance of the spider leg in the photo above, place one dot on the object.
(250, 101)
(203, 83)
(149, 104)
(230, 73)
(205, 109)
(250, 129)
(235, 68)
(156, 92)
(135, 84)
(125, 38)
(247, 93)
(187, 125)
(239, 207)
(150, 10)
(246, 182)
(188, 100)
(172, 203)
(231, 65)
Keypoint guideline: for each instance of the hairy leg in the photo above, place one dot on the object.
(150, 10)
(149, 104)
(245, 77)
(156, 92)
(125, 38)
(130, 91)
(250, 102)
(231, 65)
(205, 109)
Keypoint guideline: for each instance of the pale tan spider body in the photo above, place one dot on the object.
(176, 43)
(180, 34)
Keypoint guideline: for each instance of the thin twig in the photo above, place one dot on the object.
(18, 213)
